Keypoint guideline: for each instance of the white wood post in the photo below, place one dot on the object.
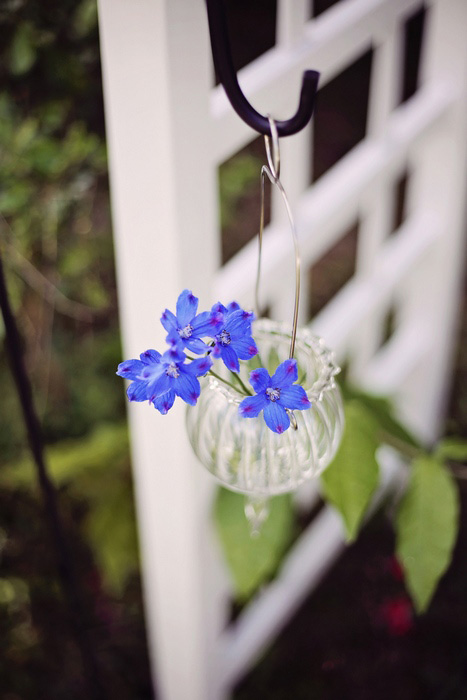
(156, 81)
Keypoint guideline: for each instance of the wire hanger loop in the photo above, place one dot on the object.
(272, 171)
(272, 150)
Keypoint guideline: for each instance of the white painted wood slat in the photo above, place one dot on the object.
(325, 211)
(272, 82)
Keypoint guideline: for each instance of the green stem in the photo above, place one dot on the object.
(239, 380)
(401, 446)
(245, 389)
(260, 360)
(224, 381)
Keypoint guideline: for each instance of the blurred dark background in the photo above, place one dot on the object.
(357, 636)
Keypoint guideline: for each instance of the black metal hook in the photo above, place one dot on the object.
(222, 56)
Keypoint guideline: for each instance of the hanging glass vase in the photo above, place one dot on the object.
(243, 453)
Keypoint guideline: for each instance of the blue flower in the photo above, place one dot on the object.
(275, 394)
(232, 335)
(186, 328)
(160, 378)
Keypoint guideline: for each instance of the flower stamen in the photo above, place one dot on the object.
(172, 370)
(224, 337)
(273, 394)
(186, 332)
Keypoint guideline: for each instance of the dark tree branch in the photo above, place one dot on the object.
(49, 495)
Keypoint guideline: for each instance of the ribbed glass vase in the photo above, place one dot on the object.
(243, 453)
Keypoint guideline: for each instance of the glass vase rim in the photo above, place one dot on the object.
(325, 381)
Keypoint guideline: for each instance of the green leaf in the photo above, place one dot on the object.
(95, 294)
(452, 448)
(22, 50)
(426, 527)
(76, 261)
(85, 18)
(382, 411)
(252, 560)
(351, 478)
(15, 198)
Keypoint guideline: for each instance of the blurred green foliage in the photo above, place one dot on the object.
(55, 232)
(235, 178)
(94, 470)
(56, 244)
(50, 54)
(70, 460)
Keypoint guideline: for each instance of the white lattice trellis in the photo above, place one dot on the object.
(168, 131)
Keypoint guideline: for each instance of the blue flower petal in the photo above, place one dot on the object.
(173, 339)
(233, 306)
(204, 324)
(216, 351)
(165, 402)
(196, 345)
(259, 379)
(245, 347)
(148, 357)
(238, 323)
(137, 391)
(218, 309)
(187, 387)
(197, 367)
(151, 372)
(169, 321)
(158, 386)
(294, 397)
(215, 322)
(229, 358)
(130, 369)
(187, 305)
(252, 405)
(276, 417)
(285, 374)
(173, 354)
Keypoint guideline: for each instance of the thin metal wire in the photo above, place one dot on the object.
(273, 154)
(272, 170)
